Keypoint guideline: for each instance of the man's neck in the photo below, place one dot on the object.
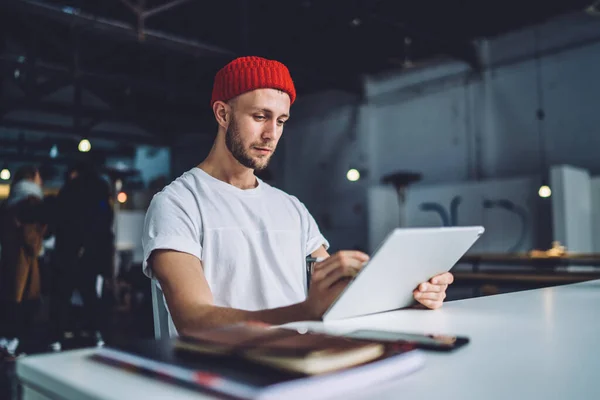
(221, 164)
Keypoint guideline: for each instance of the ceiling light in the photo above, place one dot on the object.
(545, 191)
(84, 146)
(353, 175)
(5, 174)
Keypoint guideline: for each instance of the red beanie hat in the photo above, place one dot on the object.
(245, 74)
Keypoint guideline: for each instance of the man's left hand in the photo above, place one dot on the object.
(432, 293)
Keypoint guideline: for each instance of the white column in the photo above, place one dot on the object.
(572, 207)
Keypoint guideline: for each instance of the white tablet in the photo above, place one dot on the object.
(406, 258)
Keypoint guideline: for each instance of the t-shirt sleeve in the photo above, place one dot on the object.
(314, 238)
(171, 225)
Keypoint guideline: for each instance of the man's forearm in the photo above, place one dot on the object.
(209, 316)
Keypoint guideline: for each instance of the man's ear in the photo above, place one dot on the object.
(222, 112)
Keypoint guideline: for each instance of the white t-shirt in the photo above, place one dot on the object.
(252, 243)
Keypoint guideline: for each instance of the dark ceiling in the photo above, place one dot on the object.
(153, 61)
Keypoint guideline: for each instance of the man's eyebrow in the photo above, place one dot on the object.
(267, 111)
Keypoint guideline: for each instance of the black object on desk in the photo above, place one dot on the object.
(427, 342)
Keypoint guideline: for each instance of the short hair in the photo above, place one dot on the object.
(81, 167)
(26, 172)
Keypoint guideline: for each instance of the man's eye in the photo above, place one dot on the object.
(259, 117)
(281, 123)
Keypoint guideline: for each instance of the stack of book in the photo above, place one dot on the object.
(254, 361)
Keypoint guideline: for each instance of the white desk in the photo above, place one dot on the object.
(539, 344)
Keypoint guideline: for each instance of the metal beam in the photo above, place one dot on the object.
(130, 117)
(86, 128)
(162, 8)
(46, 35)
(124, 80)
(107, 58)
(65, 147)
(77, 89)
(41, 127)
(121, 30)
(462, 50)
(126, 32)
(131, 6)
(33, 158)
(95, 113)
(51, 85)
(142, 13)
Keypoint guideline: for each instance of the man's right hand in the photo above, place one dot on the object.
(330, 277)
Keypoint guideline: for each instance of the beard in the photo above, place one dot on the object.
(234, 143)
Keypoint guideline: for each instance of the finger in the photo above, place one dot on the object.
(331, 271)
(442, 279)
(340, 273)
(429, 287)
(339, 285)
(322, 271)
(431, 304)
(336, 261)
(357, 255)
(430, 296)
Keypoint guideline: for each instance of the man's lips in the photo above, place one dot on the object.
(264, 150)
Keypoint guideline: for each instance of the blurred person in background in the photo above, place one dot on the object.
(84, 250)
(22, 228)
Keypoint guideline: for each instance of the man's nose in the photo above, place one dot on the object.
(270, 131)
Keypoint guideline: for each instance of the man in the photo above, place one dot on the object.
(225, 246)
(84, 249)
(22, 228)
